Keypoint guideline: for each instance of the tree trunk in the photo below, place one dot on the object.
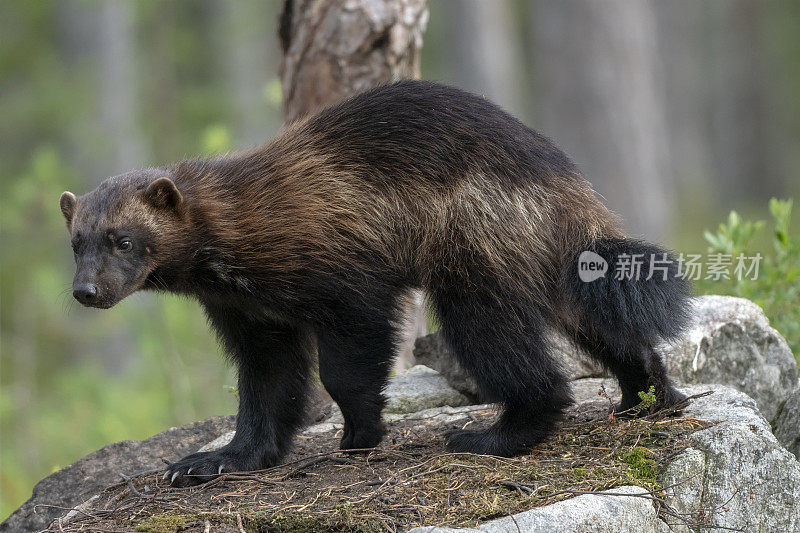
(249, 62)
(737, 102)
(597, 69)
(118, 87)
(684, 49)
(486, 51)
(335, 48)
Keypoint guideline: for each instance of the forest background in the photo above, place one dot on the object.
(678, 112)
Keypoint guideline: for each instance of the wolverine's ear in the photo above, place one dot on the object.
(67, 203)
(163, 194)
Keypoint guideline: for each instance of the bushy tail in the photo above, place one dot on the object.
(628, 296)
(639, 298)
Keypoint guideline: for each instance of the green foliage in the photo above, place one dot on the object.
(67, 385)
(163, 523)
(273, 92)
(777, 287)
(74, 379)
(647, 398)
(216, 140)
(642, 466)
(71, 379)
(733, 237)
(579, 474)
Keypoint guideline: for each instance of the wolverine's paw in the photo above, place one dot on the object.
(204, 466)
(361, 437)
(629, 408)
(673, 398)
(671, 402)
(484, 442)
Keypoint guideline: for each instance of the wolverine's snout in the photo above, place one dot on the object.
(85, 293)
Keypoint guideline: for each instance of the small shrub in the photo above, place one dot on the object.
(647, 399)
(777, 287)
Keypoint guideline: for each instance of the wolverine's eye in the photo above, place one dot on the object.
(124, 245)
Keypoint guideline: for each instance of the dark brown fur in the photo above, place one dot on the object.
(317, 236)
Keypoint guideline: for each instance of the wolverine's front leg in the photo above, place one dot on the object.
(273, 362)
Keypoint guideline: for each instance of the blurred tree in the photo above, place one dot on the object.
(736, 100)
(596, 66)
(685, 60)
(333, 49)
(118, 83)
(486, 49)
(200, 77)
(249, 58)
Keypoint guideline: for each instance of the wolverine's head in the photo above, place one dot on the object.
(119, 234)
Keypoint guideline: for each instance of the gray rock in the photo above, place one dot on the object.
(787, 424)
(734, 474)
(335, 422)
(593, 513)
(435, 529)
(420, 388)
(440, 415)
(684, 477)
(601, 390)
(432, 351)
(730, 342)
(218, 442)
(76, 483)
(416, 389)
(575, 362)
(589, 513)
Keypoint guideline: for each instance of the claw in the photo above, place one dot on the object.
(174, 476)
(219, 470)
(166, 475)
(189, 471)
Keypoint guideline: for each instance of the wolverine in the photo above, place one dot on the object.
(310, 244)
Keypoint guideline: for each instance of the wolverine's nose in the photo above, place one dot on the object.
(85, 293)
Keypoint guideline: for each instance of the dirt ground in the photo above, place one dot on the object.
(410, 480)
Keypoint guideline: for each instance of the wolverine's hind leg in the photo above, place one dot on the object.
(636, 366)
(498, 339)
(622, 319)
